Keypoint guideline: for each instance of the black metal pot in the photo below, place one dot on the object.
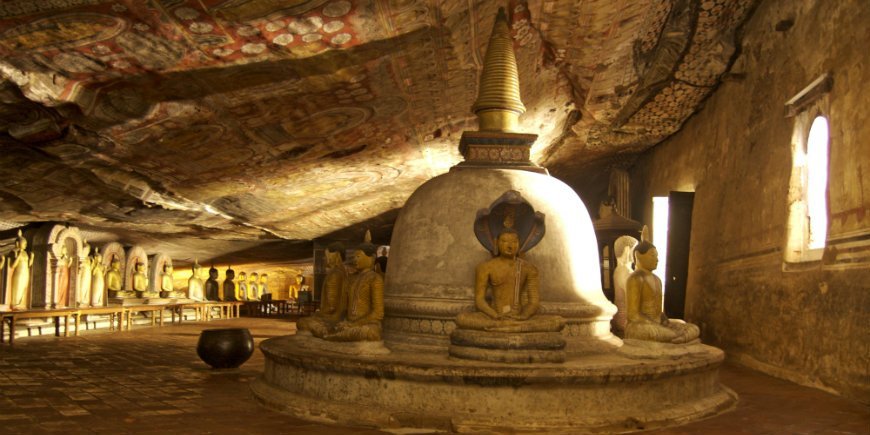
(225, 348)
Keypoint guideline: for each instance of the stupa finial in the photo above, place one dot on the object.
(498, 104)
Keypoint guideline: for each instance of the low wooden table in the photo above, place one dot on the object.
(56, 314)
(145, 308)
(115, 312)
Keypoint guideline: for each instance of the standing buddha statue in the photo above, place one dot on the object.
(98, 280)
(63, 264)
(19, 266)
(84, 276)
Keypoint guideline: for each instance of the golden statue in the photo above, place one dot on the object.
(19, 268)
(115, 281)
(140, 282)
(364, 299)
(333, 300)
(84, 276)
(514, 292)
(242, 287)
(505, 325)
(98, 280)
(645, 318)
(230, 286)
(624, 249)
(296, 286)
(194, 284)
(254, 287)
(64, 263)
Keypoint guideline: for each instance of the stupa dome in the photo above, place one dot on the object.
(434, 252)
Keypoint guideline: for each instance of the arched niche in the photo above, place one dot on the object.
(156, 270)
(135, 254)
(114, 250)
(47, 246)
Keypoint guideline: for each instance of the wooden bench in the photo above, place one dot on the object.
(13, 316)
(115, 312)
(155, 310)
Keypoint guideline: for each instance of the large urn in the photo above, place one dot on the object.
(225, 348)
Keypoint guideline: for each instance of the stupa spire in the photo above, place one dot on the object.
(498, 104)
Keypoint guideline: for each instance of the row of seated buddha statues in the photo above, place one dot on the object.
(352, 305)
(243, 289)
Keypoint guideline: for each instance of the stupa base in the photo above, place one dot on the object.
(431, 391)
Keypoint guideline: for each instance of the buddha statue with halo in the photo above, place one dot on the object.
(212, 288)
(140, 282)
(194, 284)
(364, 299)
(19, 268)
(167, 283)
(98, 281)
(333, 298)
(505, 325)
(645, 318)
(115, 281)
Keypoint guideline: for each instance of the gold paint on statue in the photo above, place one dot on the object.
(514, 286)
(140, 282)
(645, 318)
(114, 281)
(19, 267)
(98, 281)
(498, 104)
(332, 301)
(364, 299)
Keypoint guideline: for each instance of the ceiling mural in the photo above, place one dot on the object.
(264, 120)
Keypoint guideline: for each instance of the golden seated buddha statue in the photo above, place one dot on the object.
(333, 300)
(645, 318)
(364, 299)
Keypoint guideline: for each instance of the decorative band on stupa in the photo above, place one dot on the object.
(497, 144)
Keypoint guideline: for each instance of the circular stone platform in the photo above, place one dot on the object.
(612, 392)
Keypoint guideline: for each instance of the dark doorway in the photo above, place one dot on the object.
(677, 265)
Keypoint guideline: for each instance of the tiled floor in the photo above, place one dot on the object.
(151, 381)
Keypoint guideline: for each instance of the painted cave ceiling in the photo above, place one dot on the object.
(194, 123)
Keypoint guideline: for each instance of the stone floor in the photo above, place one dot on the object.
(150, 381)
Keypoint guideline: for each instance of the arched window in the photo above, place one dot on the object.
(817, 183)
(808, 190)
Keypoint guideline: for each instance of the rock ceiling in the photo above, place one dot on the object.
(257, 120)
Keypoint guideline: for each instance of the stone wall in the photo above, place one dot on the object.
(809, 324)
